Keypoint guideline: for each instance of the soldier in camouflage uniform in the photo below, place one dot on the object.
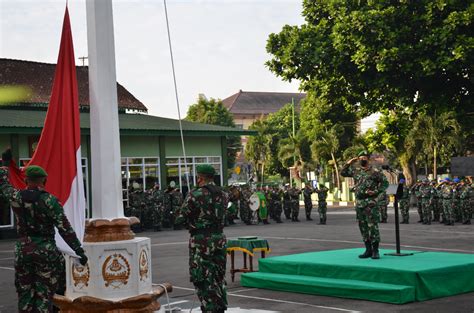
(276, 195)
(204, 212)
(426, 201)
(415, 190)
(308, 203)
(39, 266)
(465, 198)
(436, 201)
(295, 203)
(457, 200)
(383, 205)
(245, 212)
(157, 207)
(287, 202)
(322, 204)
(404, 203)
(168, 205)
(369, 183)
(137, 207)
(447, 198)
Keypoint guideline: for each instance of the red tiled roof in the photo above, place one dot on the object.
(39, 77)
(251, 102)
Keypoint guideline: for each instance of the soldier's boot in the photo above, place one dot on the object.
(157, 228)
(324, 220)
(468, 222)
(375, 251)
(368, 250)
(308, 217)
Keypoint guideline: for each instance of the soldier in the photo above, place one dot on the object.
(436, 201)
(457, 200)
(233, 208)
(157, 207)
(176, 203)
(277, 195)
(322, 204)
(168, 205)
(426, 201)
(369, 183)
(465, 198)
(308, 204)
(295, 203)
(404, 203)
(287, 202)
(415, 189)
(245, 212)
(383, 205)
(204, 213)
(447, 196)
(39, 266)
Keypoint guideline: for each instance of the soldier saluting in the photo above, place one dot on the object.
(369, 183)
(39, 266)
(204, 212)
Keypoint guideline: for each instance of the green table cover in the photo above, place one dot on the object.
(248, 246)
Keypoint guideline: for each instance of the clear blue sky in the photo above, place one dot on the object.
(219, 45)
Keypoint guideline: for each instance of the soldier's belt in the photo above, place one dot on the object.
(206, 231)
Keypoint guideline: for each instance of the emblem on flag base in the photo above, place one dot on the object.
(117, 278)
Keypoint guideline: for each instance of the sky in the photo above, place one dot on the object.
(218, 46)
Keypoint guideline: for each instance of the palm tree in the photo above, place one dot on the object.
(291, 151)
(326, 145)
(434, 134)
(258, 147)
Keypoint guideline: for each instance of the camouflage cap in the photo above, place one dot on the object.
(205, 169)
(35, 171)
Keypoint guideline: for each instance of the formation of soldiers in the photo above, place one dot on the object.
(155, 208)
(448, 201)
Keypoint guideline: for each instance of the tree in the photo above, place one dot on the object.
(326, 145)
(213, 112)
(439, 136)
(294, 151)
(380, 55)
(258, 147)
(390, 136)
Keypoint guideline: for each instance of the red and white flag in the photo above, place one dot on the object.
(59, 147)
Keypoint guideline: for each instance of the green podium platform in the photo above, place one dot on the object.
(340, 273)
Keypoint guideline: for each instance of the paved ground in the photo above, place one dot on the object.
(170, 264)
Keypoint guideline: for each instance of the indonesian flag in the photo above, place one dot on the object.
(59, 147)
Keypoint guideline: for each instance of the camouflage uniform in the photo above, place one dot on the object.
(295, 204)
(245, 212)
(457, 211)
(404, 203)
(308, 204)
(168, 207)
(322, 204)
(276, 195)
(157, 208)
(383, 205)
(436, 203)
(447, 195)
(465, 196)
(426, 202)
(204, 212)
(39, 266)
(416, 191)
(287, 203)
(137, 207)
(369, 183)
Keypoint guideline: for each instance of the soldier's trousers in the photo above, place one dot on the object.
(245, 214)
(322, 209)
(436, 209)
(448, 211)
(287, 209)
(426, 210)
(308, 207)
(207, 263)
(368, 217)
(457, 211)
(277, 210)
(466, 210)
(39, 273)
(404, 210)
(295, 209)
(419, 208)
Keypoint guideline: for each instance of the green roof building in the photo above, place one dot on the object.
(150, 145)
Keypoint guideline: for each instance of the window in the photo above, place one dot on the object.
(176, 170)
(139, 173)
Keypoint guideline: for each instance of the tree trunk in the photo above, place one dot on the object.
(435, 165)
(409, 171)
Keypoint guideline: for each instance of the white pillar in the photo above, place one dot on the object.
(106, 188)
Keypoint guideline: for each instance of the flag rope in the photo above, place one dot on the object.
(177, 100)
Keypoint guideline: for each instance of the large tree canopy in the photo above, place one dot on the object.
(385, 54)
(212, 111)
